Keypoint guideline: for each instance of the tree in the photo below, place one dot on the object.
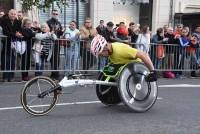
(27, 4)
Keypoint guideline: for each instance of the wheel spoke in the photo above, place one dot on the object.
(105, 91)
(38, 105)
(31, 101)
(39, 87)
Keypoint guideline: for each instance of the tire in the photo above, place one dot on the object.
(29, 96)
(108, 95)
(135, 92)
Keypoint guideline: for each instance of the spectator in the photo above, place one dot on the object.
(132, 32)
(170, 48)
(101, 28)
(55, 26)
(187, 28)
(87, 33)
(192, 49)
(46, 40)
(137, 29)
(143, 41)
(170, 36)
(1, 16)
(28, 33)
(11, 28)
(197, 32)
(177, 35)
(165, 28)
(183, 42)
(122, 33)
(108, 33)
(36, 27)
(197, 53)
(72, 48)
(115, 29)
(178, 31)
(20, 16)
(1, 30)
(122, 24)
(109, 36)
(158, 39)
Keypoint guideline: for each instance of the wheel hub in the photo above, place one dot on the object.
(138, 86)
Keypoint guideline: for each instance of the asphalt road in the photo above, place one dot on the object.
(177, 111)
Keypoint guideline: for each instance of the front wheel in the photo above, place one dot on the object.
(135, 92)
(32, 102)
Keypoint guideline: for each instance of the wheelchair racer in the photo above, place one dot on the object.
(120, 53)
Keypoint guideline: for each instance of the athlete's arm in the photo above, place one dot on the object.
(145, 58)
(152, 76)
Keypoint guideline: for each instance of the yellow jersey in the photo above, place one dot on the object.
(123, 54)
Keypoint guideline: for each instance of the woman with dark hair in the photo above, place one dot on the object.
(132, 32)
(143, 40)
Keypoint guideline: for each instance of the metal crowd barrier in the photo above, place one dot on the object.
(173, 57)
(72, 56)
(66, 56)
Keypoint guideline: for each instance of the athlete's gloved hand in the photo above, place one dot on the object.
(151, 77)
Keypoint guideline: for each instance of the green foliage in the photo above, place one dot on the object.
(41, 4)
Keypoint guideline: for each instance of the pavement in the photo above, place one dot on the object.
(79, 112)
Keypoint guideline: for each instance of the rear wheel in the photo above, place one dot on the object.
(108, 95)
(135, 92)
(32, 102)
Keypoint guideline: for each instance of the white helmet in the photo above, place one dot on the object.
(97, 45)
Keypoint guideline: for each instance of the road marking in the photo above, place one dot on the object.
(179, 85)
(59, 104)
(93, 102)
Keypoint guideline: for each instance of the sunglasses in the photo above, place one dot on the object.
(55, 14)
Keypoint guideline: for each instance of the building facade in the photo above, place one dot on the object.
(154, 13)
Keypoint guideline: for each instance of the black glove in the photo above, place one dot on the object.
(151, 77)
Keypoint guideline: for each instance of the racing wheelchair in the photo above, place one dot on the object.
(115, 84)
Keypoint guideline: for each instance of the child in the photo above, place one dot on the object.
(45, 40)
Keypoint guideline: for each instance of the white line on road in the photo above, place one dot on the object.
(93, 102)
(180, 85)
(59, 104)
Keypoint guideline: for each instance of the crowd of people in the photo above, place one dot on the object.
(26, 39)
(187, 46)
(43, 41)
